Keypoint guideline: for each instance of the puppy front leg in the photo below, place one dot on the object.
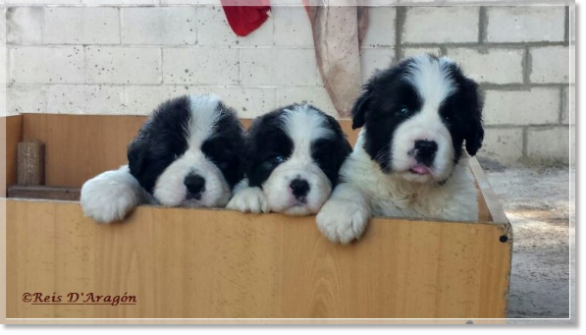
(344, 216)
(248, 199)
(111, 195)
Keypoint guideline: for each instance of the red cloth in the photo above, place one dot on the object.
(245, 16)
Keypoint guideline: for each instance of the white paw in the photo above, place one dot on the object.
(250, 199)
(342, 221)
(110, 196)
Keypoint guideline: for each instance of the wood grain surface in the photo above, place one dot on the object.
(188, 263)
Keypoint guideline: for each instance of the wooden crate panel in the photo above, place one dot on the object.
(188, 263)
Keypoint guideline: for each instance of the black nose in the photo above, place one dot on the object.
(425, 150)
(299, 187)
(195, 184)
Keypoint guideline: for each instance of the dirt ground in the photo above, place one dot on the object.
(536, 202)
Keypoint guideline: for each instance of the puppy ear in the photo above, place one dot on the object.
(361, 106)
(136, 153)
(475, 101)
(344, 148)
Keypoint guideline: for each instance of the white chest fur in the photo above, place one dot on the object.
(389, 195)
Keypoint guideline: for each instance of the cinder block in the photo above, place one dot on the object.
(441, 25)
(525, 24)
(142, 100)
(524, 107)
(504, 145)
(3, 28)
(381, 27)
(120, 2)
(88, 2)
(24, 25)
(495, 66)
(248, 102)
(569, 105)
(550, 65)
(123, 65)
(158, 25)
(47, 65)
(572, 25)
(213, 29)
(43, 2)
(317, 96)
(190, 2)
(410, 52)
(200, 66)
(26, 99)
(375, 3)
(375, 59)
(85, 99)
(550, 143)
(81, 25)
(278, 67)
(292, 27)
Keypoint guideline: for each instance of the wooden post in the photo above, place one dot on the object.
(31, 163)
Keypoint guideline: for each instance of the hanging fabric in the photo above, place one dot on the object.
(337, 33)
(245, 16)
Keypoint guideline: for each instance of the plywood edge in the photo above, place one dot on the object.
(11, 133)
(497, 213)
(490, 198)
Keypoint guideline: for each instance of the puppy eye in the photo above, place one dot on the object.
(404, 111)
(277, 159)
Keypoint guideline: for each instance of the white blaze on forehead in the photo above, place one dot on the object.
(170, 189)
(433, 83)
(432, 79)
(304, 125)
(204, 117)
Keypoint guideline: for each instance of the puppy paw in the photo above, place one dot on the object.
(249, 200)
(106, 198)
(342, 221)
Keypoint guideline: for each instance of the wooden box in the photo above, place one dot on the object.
(198, 264)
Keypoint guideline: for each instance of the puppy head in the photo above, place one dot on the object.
(417, 116)
(294, 154)
(188, 152)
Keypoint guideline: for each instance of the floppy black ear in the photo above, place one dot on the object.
(344, 149)
(136, 154)
(475, 101)
(361, 106)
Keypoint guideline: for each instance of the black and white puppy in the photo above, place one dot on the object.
(293, 156)
(186, 154)
(409, 159)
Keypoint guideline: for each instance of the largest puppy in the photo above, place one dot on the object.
(409, 160)
(186, 154)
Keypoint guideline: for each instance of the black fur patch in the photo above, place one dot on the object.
(163, 138)
(225, 146)
(330, 153)
(267, 146)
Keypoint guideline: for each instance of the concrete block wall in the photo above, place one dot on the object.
(126, 56)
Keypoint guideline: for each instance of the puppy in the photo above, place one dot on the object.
(293, 156)
(186, 154)
(409, 159)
